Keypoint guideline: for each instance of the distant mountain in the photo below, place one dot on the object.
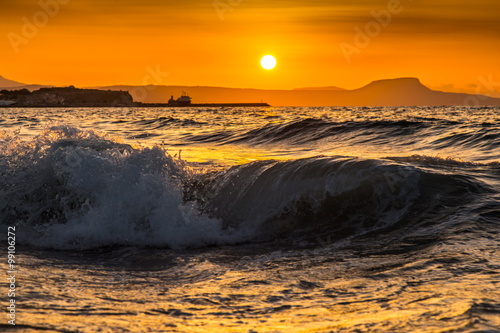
(5, 83)
(410, 92)
(30, 87)
(320, 88)
(393, 92)
(14, 85)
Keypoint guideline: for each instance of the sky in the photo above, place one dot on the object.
(452, 45)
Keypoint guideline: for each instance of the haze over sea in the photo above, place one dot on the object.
(253, 219)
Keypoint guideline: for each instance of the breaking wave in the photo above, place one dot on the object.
(74, 189)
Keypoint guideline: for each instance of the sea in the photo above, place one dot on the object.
(336, 219)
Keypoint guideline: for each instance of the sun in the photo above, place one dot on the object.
(268, 62)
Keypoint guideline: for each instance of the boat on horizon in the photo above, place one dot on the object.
(184, 100)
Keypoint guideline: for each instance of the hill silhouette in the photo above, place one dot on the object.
(406, 91)
(14, 85)
(320, 88)
(391, 92)
(6, 83)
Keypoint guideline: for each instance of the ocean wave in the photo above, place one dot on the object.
(338, 196)
(433, 133)
(483, 138)
(74, 189)
(161, 122)
(311, 129)
(440, 161)
(69, 188)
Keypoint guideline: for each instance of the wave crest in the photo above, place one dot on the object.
(70, 188)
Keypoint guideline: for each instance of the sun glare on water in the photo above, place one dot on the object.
(268, 62)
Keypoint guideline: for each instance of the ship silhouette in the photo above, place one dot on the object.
(184, 100)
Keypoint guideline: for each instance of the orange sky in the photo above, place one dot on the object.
(453, 45)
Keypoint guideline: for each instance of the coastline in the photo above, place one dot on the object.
(142, 105)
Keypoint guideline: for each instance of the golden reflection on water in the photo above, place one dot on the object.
(283, 294)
